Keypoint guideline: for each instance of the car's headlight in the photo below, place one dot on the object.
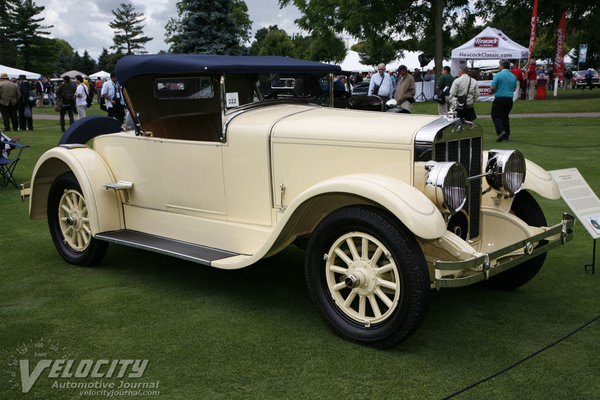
(447, 185)
(506, 171)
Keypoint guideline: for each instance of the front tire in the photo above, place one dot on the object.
(367, 276)
(69, 223)
(526, 208)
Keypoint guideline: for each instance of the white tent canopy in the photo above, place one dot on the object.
(14, 72)
(100, 75)
(73, 74)
(489, 44)
(352, 63)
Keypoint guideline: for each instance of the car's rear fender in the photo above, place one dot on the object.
(104, 206)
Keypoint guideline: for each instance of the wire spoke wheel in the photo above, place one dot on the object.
(363, 278)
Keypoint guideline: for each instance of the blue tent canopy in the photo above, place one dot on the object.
(135, 65)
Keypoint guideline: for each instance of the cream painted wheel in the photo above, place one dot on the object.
(363, 278)
(73, 220)
(367, 276)
(69, 223)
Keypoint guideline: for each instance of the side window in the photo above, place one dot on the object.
(179, 108)
(183, 88)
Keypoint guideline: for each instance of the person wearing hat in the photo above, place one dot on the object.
(405, 92)
(25, 118)
(9, 98)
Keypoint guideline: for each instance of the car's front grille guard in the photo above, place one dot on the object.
(461, 143)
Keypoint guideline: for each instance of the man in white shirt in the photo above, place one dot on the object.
(381, 84)
(111, 91)
(81, 95)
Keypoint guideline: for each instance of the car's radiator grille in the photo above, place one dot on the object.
(466, 151)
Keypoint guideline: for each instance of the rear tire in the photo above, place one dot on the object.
(69, 223)
(366, 247)
(527, 208)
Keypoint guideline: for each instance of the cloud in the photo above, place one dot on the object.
(84, 24)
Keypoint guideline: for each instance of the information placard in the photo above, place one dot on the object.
(580, 198)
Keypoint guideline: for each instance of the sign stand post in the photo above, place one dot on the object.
(593, 264)
(584, 203)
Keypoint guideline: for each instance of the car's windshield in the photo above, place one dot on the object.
(253, 88)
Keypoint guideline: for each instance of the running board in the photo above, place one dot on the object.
(175, 248)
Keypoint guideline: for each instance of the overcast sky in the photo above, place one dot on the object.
(87, 27)
(84, 23)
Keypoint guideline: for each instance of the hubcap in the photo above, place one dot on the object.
(362, 278)
(73, 220)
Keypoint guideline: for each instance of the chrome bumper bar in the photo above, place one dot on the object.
(490, 264)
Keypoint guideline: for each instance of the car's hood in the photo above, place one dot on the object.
(331, 124)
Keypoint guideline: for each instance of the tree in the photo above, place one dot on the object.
(277, 43)
(77, 62)
(208, 27)
(102, 60)
(511, 16)
(89, 65)
(385, 28)
(8, 50)
(259, 36)
(23, 31)
(63, 56)
(129, 30)
(239, 15)
(325, 46)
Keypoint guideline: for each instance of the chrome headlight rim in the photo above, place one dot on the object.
(505, 171)
(447, 185)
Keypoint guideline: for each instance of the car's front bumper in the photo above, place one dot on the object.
(496, 262)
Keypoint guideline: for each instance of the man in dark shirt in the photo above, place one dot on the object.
(445, 82)
(66, 93)
(24, 103)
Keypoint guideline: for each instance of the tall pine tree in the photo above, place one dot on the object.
(21, 32)
(103, 60)
(206, 27)
(129, 30)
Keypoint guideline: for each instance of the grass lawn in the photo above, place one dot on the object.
(567, 101)
(254, 333)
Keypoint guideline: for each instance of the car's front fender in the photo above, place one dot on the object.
(399, 198)
(104, 206)
(537, 179)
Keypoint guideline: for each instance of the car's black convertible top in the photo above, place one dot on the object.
(131, 66)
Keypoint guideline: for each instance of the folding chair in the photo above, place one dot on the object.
(5, 149)
(7, 165)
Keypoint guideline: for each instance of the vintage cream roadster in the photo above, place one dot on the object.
(232, 159)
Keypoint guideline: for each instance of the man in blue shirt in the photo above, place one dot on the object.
(381, 84)
(503, 87)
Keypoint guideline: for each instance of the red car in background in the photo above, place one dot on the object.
(580, 81)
